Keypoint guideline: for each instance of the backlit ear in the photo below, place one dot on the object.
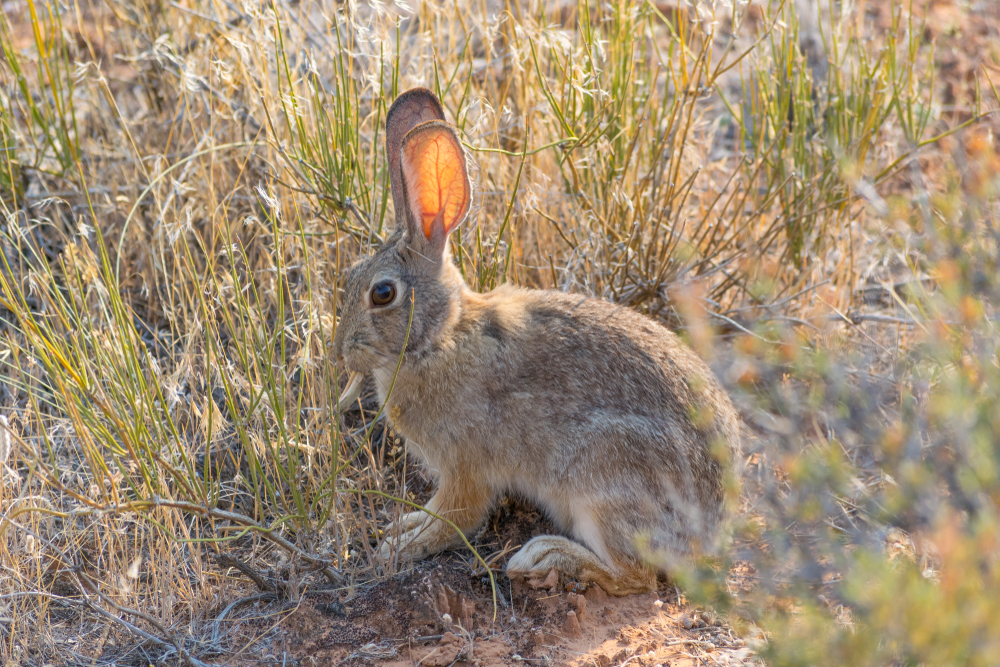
(415, 106)
(438, 191)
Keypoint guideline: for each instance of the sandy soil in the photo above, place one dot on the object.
(442, 614)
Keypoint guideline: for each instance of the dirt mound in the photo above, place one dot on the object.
(442, 613)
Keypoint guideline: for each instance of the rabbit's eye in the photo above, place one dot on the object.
(383, 293)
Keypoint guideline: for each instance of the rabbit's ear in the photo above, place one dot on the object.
(415, 106)
(437, 190)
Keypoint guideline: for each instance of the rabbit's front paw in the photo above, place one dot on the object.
(407, 522)
(406, 546)
(416, 535)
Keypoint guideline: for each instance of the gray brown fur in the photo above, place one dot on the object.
(600, 415)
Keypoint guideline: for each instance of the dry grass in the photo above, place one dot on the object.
(183, 184)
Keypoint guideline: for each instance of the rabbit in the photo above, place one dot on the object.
(598, 414)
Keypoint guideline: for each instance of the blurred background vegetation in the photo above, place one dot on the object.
(806, 189)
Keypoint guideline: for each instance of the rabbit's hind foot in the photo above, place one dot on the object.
(546, 552)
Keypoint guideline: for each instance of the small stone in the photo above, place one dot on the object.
(447, 638)
(551, 580)
(602, 660)
(687, 623)
(468, 612)
(657, 603)
(596, 594)
(579, 603)
(573, 624)
(444, 604)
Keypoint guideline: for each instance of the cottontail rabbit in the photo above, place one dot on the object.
(595, 412)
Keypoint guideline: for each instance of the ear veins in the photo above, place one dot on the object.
(436, 179)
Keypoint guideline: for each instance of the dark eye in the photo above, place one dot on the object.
(383, 293)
